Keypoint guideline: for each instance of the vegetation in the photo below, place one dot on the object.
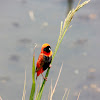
(63, 29)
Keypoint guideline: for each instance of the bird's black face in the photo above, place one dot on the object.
(47, 49)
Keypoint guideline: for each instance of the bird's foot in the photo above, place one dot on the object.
(50, 65)
(45, 78)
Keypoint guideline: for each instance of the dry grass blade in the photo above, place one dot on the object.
(49, 94)
(1, 98)
(56, 83)
(67, 94)
(24, 90)
(50, 90)
(64, 94)
(78, 96)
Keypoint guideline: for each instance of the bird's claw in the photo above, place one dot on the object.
(50, 65)
(45, 78)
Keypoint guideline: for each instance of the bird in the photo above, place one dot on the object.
(44, 60)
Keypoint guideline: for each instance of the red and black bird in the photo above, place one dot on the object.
(44, 60)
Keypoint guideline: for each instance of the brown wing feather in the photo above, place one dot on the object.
(37, 69)
(40, 63)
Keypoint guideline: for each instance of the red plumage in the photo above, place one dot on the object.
(44, 59)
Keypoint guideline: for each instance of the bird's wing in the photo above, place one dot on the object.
(40, 62)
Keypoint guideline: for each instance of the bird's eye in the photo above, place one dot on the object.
(50, 49)
(47, 49)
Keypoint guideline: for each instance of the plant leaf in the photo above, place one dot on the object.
(33, 77)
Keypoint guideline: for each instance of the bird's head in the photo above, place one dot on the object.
(46, 49)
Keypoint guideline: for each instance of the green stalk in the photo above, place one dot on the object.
(33, 78)
(63, 31)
